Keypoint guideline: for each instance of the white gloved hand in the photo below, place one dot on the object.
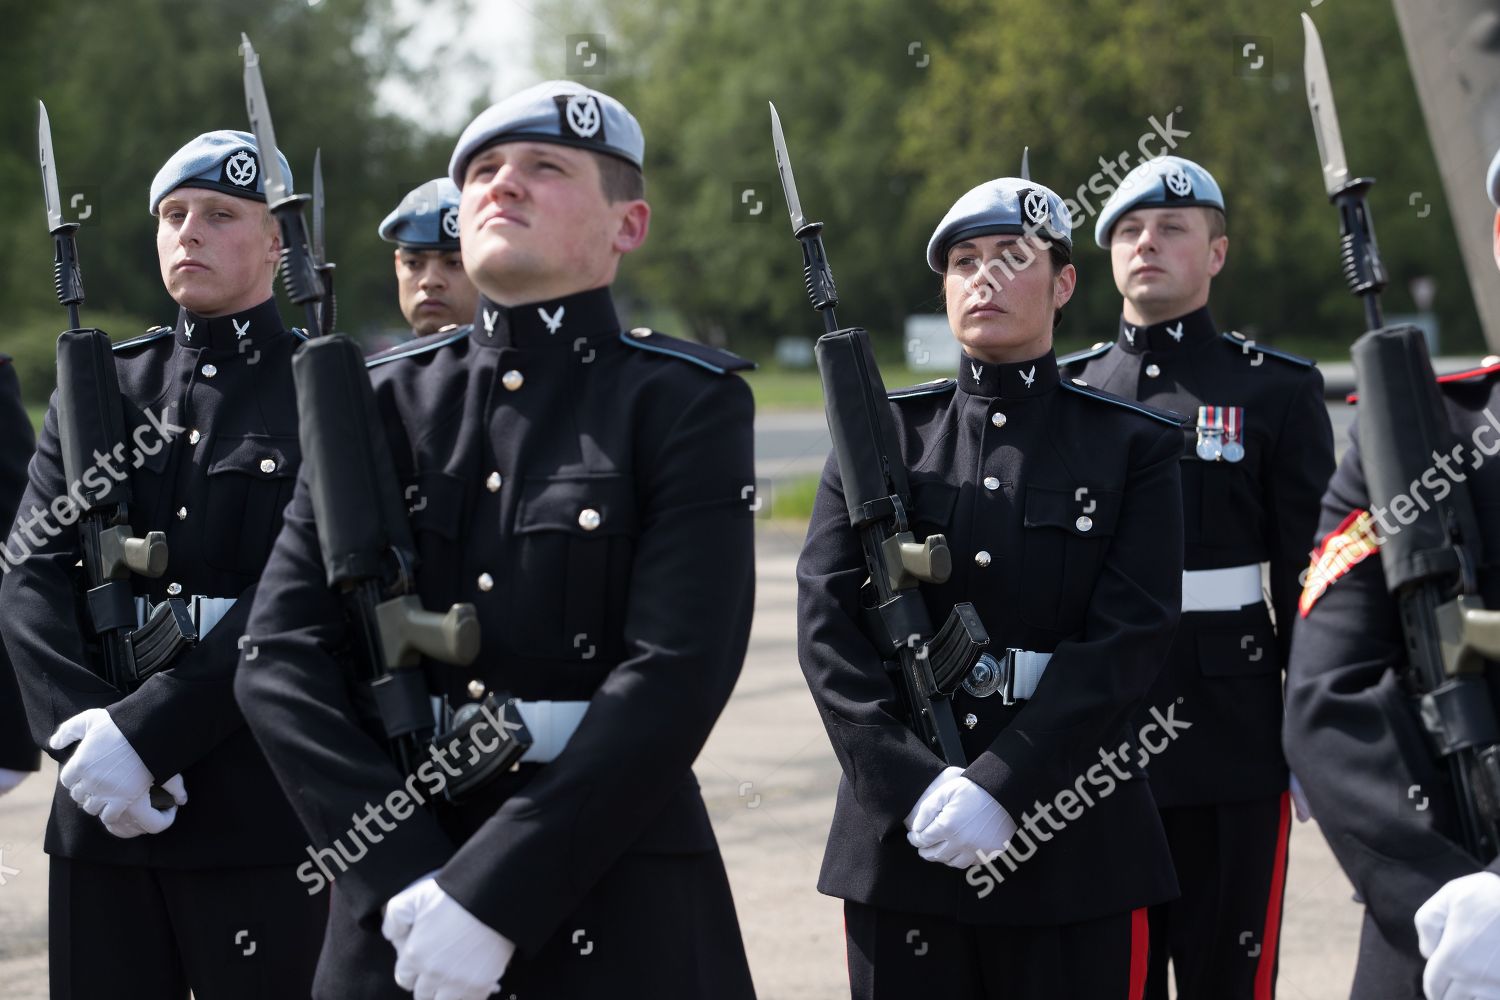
(967, 821)
(10, 779)
(1299, 801)
(928, 802)
(1458, 932)
(141, 817)
(105, 774)
(443, 952)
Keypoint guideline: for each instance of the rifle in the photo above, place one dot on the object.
(1431, 563)
(930, 667)
(363, 533)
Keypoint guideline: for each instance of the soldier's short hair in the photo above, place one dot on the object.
(620, 180)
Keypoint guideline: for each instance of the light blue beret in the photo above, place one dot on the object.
(426, 219)
(1492, 180)
(1162, 182)
(556, 111)
(1003, 205)
(226, 160)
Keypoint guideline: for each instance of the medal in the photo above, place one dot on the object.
(1234, 433)
(1210, 423)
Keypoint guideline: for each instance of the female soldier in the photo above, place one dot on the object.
(1026, 873)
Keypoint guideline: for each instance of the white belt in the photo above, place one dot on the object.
(1029, 669)
(552, 724)
(205, 611)
(1221, 589)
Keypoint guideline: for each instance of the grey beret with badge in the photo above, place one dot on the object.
(426, 219)
(555, 111)
(225, 160)
(1003, 205)
(1161, 182)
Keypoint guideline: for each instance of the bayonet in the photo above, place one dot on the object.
(815, 270)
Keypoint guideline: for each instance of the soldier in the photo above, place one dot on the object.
(1251, 477)
(1062, 509)
(206, 900)
(567, 477)
(433, 289)
(1353, 735)
(19, 756)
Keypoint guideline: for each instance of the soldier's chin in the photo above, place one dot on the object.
(196, 298)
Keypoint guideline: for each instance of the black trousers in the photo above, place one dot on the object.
(1223, 933)
(897, 956)
(661, 926)
(133, 933)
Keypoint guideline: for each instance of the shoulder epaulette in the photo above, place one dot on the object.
(155, 333)
(715, 360)
(1169, 417)
(1089, 354)
(422, 345)
(1242, 343)
(299, 333)
(933, 388)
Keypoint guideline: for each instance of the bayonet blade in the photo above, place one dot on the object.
(784, 168)
(317, 208)
(260, 124)
(49, 171)
(1026, 163)
(1324, 115)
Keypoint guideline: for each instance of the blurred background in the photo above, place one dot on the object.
(891, 111)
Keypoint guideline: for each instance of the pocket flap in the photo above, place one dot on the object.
(263, 456)
(932, 503)
(586, 506)
(1083, 511)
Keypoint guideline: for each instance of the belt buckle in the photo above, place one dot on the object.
(1008, 676)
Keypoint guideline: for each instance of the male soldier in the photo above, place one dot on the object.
(567, 478)
(1353, 735)
(1251, 478)
(1062, 511)
(18, 754)
(207, 901)
(434, 291)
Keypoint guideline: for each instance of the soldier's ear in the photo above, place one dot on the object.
(1218, 252)
(1063, 285)
(635, 221)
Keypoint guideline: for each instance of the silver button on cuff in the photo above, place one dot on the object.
(209, 371)
(492, 482)
(486, 582)
(998, 419)
(268, 465)
(1084, 523)
(1152, 371)
(982, 559)
(991, 483)
(512, 380)
(589, 519)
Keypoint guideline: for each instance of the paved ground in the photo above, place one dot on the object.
(769, 777)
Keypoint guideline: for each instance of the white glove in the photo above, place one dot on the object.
(443, 952)
(141, 817)
(967, 821)
(1299, 801)
(928, 803)
(1458, 932)
(10, 779)
(105, 774)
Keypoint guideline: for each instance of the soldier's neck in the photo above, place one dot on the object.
(1151, 313)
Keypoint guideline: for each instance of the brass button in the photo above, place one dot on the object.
(486, 582)
(982, 559)
(268, 465)
(640, 331)
(1079, 381)
(1152, 371)
(991, 483)
(476, 689)
(492, 483)
(998, 419)
(1084, 522)
(174, 589)
(589, 519)
(194, 436)
(209, 371)
(512, 380)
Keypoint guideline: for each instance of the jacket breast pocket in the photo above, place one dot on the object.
(575, 540)
(1066, 533)
(250, 481)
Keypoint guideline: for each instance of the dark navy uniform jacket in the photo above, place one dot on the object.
(17, 442)
(1381, 796)
(221, 390)
(1227, 665)
(589, 490)
(1063, 511)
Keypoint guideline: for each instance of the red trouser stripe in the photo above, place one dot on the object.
(1140, 945)
(1265, 970)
